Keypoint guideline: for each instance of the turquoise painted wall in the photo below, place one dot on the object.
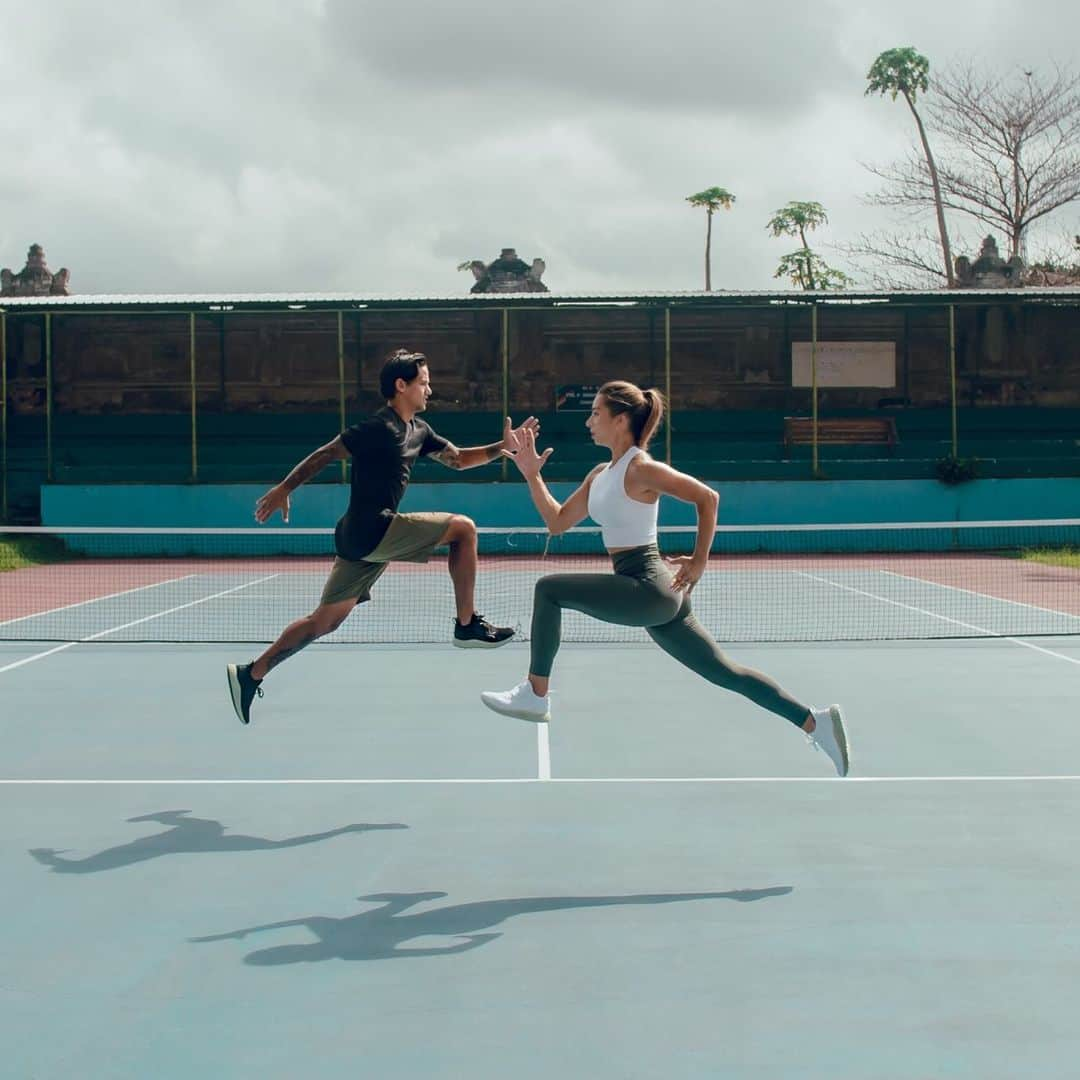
(508, 504)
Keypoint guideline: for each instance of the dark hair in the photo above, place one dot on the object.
(400, 364)
(645, 408)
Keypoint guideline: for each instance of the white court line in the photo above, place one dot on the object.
(980, 595)
(136, 622)
(96, 599)
(944, 618)
(482, 781)
(543, 752)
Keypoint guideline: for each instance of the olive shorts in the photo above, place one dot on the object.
(410, 538)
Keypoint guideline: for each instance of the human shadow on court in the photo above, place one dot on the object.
(186, 835)
(379, 933)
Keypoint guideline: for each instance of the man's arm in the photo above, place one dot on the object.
(469, 457)
(277, 498)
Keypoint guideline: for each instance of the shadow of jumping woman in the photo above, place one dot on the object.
(185, 835)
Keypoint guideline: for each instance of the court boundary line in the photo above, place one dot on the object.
(543, 751)
(981, 595)
(116, 629)
(94, 600)
(510, 780)
(943, 618)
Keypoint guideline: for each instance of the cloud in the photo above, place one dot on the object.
(699, 56)
(370, 146)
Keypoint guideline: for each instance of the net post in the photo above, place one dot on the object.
(48, 398)
(3, 415)
(667, 383)
(341, 382)
(813, 384)
(194, 422)
(952, 376)
(505, 377)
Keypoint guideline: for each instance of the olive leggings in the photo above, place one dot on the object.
(639, 593)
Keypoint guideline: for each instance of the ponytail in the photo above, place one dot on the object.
(645, 408)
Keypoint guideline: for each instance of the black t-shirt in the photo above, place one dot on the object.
(384, 448)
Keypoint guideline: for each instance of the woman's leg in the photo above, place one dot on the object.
(612, 598)
(690, 643)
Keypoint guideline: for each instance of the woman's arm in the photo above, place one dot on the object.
(646, 477)
(558, 517)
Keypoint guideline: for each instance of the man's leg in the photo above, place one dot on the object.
(245, 679)
(325, 619)
(471, 631)
(461, 536)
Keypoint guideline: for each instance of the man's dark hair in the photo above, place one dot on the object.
(401, 364)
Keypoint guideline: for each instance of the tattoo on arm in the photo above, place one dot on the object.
(311, 466)
(450, 456)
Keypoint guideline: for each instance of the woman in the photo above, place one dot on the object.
(622, 497)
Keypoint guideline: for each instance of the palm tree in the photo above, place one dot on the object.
(806, 268)
(712, 199)
(904, 71)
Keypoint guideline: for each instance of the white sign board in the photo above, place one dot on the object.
(845, 363)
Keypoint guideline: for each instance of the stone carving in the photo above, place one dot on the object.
(507, 274)
(35, 278)
(989, 270)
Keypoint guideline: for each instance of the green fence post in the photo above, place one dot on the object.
(667, 384)
(813, 383)
(3, 409)
(341, 385)
(952, 377)
(505, 376)
(194, 422)
(48, 398)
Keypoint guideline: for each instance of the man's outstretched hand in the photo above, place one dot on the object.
(277, 498)
(513, 437)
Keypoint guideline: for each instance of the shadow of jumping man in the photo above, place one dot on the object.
(379, 934)
(185, 835)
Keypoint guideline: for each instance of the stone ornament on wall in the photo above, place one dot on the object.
(507, 274)
(989, 270)
(35, 278)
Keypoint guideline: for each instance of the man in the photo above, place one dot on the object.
(371, 533)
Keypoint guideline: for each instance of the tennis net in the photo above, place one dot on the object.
(846, 582)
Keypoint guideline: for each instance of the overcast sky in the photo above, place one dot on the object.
(369, 146)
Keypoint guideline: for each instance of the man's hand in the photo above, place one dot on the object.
(513, 437)
(688, 571)
(277, 498)
(528, 461)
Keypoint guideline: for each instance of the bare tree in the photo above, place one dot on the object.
(1011, 152)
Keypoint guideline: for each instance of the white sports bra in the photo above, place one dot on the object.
(624, 522)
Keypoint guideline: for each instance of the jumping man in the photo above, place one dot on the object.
(372, 533)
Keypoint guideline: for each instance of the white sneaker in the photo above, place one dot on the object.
(521, 702)
(830, 737)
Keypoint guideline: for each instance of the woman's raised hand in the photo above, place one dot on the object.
(513, 436)
(525, 457)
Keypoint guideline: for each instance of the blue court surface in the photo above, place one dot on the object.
(380, 878)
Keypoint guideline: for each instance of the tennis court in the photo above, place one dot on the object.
(380, 876)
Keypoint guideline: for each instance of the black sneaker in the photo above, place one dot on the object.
(478, 633)
(243, 689)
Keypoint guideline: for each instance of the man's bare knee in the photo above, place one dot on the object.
(461, 530)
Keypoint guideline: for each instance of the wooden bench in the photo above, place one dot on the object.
(842, 431)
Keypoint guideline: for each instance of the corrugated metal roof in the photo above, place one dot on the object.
(354, 301)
